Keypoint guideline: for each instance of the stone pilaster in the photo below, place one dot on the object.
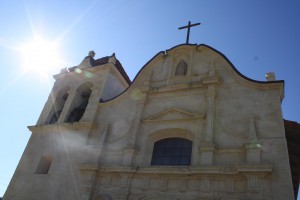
(132, 148)
(206, 154)
(137, 120)
(208, 147)
(92, 106)
(128, 155)
(253, 147)
(66, 110)
(95, 177)
(210, 114)
(45, 115)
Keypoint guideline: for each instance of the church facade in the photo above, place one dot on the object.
(189, 126)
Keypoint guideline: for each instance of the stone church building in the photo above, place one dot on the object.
(190, 126)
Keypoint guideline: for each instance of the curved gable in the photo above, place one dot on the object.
(235, 69)
(162, 67)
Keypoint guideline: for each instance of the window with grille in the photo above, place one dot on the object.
(172, 151)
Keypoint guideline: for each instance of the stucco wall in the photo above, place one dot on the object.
(235, 125)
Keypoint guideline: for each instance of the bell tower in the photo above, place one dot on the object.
(60, 138)
(78, 90)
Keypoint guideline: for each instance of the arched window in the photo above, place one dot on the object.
(55, 117)
(172, 151)
(181, 69)
(82, 101)
(58, 105)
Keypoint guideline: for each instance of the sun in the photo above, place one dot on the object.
(40, 56)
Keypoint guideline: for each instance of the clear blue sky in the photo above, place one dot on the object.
(256, 36)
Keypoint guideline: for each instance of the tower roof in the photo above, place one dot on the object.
(101, 61)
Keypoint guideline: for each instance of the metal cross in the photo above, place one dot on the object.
(188, 32)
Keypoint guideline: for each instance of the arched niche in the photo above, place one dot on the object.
(80, 102)
(58, 105)
(181, 68)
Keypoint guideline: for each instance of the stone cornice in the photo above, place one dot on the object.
(187, 83)
(172, 120)
(262, 169)
(61, 126)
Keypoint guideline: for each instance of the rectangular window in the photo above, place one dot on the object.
(44, 165)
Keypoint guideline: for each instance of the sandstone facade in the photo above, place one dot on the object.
(188, 127)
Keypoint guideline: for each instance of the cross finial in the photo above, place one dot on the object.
(188, 31)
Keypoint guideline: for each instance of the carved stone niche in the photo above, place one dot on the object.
(182, 60)
(181, 68)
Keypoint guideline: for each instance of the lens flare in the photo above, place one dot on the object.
(40, 56)
(136, 94)
(88, 74)
(78, 71)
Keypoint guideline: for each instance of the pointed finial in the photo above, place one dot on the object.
(112, 59)
(270, 76)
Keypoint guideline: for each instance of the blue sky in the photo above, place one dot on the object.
(256, 36)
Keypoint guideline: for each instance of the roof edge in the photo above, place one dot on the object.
(236, 70)
(197, 46)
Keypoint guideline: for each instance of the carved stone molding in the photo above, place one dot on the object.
(172, 114)
(82, 126)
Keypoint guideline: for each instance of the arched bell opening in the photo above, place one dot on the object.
(58, 105)
(80, 102)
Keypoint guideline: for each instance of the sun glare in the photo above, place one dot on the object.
(40, 56)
